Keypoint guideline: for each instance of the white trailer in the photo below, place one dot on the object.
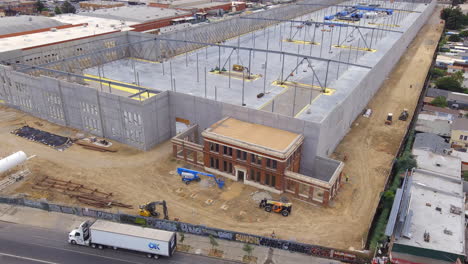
(102, 234)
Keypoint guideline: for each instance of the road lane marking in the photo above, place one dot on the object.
(26, 258)
(81, 252)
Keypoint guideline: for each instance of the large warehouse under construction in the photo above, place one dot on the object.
(308, 67)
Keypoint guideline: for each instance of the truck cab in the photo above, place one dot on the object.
(80, 235)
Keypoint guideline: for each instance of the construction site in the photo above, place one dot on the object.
(304, 71)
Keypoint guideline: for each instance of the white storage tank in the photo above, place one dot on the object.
(12, 161)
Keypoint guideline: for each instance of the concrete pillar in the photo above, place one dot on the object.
(311, 193)
(326, 197)
(174, 150)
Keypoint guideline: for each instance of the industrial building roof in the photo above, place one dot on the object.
(458, 97)
(139, 14)
(439, 163)
(431, 142)
(95, 26)
(431, 108)
(438, 127)
(431, 92)
(9, 25)
(253, 134)
(460, 124)
(431, 203)
(131, 230)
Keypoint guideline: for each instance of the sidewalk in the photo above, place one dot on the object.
(198, 245)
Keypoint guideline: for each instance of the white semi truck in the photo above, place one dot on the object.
(100, 234)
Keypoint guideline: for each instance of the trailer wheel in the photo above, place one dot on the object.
(100, 247)
(268, 208)
(149, 255)
(187, 182)
(73, 242)
(198, 179)
(93, 245)
(156, 256)
(285, 213)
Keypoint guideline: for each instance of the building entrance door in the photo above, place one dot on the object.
(240, 175)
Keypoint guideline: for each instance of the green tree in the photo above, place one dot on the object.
(454, 38)
(213, 242)
(248, 249)
(405, 162)
(449, 83)
(459, 76)
(463, 34)
(439, 101)
(57, 10)
(454, 18)
(437, 73)
(67, 8)
(39, 6)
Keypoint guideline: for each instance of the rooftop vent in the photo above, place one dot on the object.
(438, 164)
(53, 29)
(448, 232)
(455, 210)
(439, 209)
(427, 236)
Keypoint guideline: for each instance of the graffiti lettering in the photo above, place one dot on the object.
(318, 251)
(54, 208)
(164, 225)
(225, 235)
(190, 229)
(247, 239)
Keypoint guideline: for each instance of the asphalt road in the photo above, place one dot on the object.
(20, 244)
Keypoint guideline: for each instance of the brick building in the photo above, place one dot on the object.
(94, 5)
(13, 7)
(260, 156)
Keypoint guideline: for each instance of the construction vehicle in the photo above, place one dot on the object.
(282, 207)
(389, 119)
(192, 175)
(238, 68)
(404, 115)
(149, 209)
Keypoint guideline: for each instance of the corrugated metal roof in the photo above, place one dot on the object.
(394, 213)
(431, 92)
(9, 25)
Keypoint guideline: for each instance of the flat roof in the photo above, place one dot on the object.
(439, 127)
(430, 142)
(253, 134)
(16, 24)
(460, 124)
(95, 26)
(132, 230)
(139, 14)
(430, 192)
(443, 164)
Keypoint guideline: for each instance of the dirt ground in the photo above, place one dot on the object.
(137, 177)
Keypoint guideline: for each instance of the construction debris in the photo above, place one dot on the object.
(83, 194)
(55, 141)
(95, 144)
(16, 177)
